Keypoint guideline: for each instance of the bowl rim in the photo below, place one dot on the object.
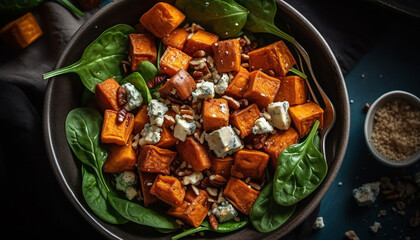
(369, 121)
(291, 223)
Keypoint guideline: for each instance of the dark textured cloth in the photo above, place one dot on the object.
(34, 204)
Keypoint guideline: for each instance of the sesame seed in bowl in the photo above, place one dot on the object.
(392, 129)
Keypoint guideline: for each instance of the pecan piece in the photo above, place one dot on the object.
(259, 140)
(121, 96)
(217, 180)
(232, 102)
(121, 114)
(213, 222)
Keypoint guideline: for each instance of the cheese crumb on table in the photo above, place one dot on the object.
(351, 235)
(375, 227)
(319, 223)
(366, 194)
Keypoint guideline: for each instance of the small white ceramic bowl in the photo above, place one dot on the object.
(381, 101)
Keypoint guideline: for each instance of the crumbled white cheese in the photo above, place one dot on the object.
(319, 223)
(224, 141)
(156, 112)
(366, 194)
(183, 128)
(134, 98)
(125, 182)
(150, 134)
(375, 227)
(203, 90)
(192, 179)
(222, 84)
(225, 212)
(261, 126)
(279, 112)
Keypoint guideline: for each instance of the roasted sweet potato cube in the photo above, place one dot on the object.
(120, 158)
(167, 139)
(168, 189)
(177, 38)
(240, 195)
(239, 84)
(180, 85)
(244, 119)
(141, 48)
(146, 182)
(227, 55)
(304, 117)
(154, 159)
(173, 60)
(162, 19)
(201, 40)
(141, 119)
(275, 57)
(279, 141)
(215, 114)
(293, 90)
(106, 94)
(115, 132)
(222, 166)
(262, 88)
(249, 163)
(194, 153)
(193, 209)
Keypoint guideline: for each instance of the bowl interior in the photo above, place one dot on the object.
(64, 94)
(369, 121)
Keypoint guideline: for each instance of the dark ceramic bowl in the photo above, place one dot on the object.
(64, 93)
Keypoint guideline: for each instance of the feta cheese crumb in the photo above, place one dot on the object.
(366, 194)
(319, 223)
(375, 227)
(225, 212)
(261, 126)
(279, 112)
(156, 111)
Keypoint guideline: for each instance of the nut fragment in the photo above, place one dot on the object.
(351, 235)
(213, 222)
(232, 102)
(217, 180)
(199, 53)
(121, 96)
(156, 81)
(259, 140)
(121, 114)
(244, 102)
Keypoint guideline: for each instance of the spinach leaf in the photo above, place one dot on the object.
(95, 194)
(139, 214)
(160, 51)
(101, 59)
(137, 80)
(83, 129)
(300, 170)
(266, 215)
(222, 17)
(147, 70)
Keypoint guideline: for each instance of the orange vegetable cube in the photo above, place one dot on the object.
(141, 119)
(239, 84)
(21, 32)
(201, 40)
(222, 166)
(177, 38)
(167, 139)
(193, 209)
(115, 132)
(120, 158)
(182, 83)
(168, 189)
(162, 19)
(240, 195)
(227, 55)
(249, 163)
(173, 60)
(275, 57)
(154, 159)
(279, 141)
(146, 182)
(106, 94)
(262, 88)
(215, 114)
(244, 119)
(141, 48)
(293, 90)
(194, 153)
(304, 117)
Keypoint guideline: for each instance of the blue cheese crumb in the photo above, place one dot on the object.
(375, 227)
(134, 98)
(222, 84)
(224, 141)
(204, 90)
(366, 194)
(125, 182)
(319, 223)
(156, 112)
(262, 126)
(225, 212)
(183, 128)
(279, 112)
(150, 134)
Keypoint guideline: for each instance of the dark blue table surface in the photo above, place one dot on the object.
(392, 63)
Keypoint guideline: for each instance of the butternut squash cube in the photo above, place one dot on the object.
(201, 40)
(162, 19)
(293, 90)
(244, 119)
(240, 195)
(177, 38)
(194, 153)
(115, 132)
(262, 88)
(182, 83)
(146, 182)
(227, 55)
(106, 94)
(304, 117)
(222, 166)
(168, 189)
(167, 139)
(239, 84)
(154, 159)
(279, 141)
(249, 163)
(193, 209)
(120, 158)
(141, 119)
(173, 60)
(215, 114)
(141, 48)
(275, 57)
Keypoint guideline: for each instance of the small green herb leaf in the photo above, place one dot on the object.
(297, 72)
(137, 80)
